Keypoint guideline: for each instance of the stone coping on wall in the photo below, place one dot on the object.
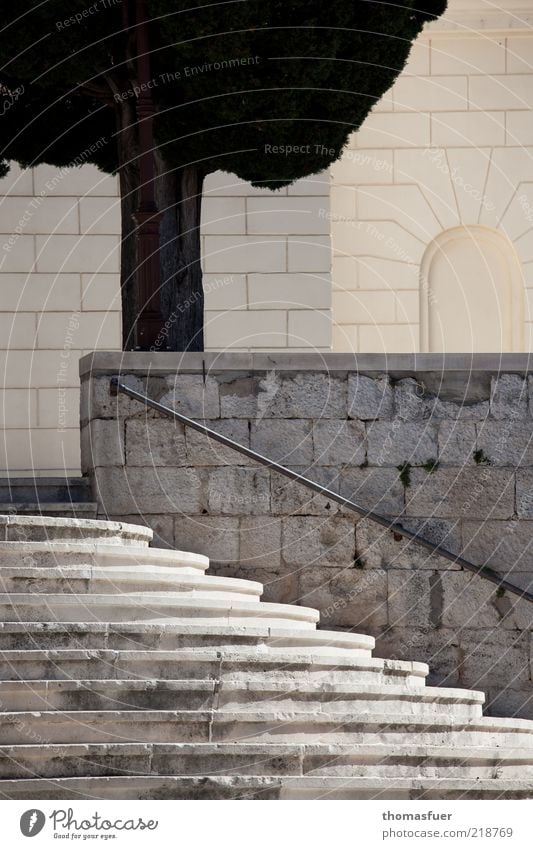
(113, 362)
(463, 377)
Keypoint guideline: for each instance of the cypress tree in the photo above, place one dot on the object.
(268, 90)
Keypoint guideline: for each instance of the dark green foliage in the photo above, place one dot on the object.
(405, 474)
(313, 70)
(431, 465)
(481, 458)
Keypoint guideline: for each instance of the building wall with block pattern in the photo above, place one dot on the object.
(266, 259)
(461, 111)
(448, 150)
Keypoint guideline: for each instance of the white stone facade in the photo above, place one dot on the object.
(59, 297)
(442, 170)
(431, 206)
(266, 259)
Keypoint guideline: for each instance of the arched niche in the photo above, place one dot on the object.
(471, 293)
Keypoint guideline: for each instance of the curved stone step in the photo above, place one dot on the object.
(65, 554)
(228, 695)
(351, 697)
(235, 664)
(326, 642)
(212, 786)
(266, 725)
(138, 635)
(316, 762)
(144, 787)
(147, 606)
(96, 580)
(20, 529)
(398, 787)
(72, 509)
(269, 725)
(114, 649)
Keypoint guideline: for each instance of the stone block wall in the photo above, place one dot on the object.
(443, 443)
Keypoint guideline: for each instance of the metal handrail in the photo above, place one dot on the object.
(397, 529)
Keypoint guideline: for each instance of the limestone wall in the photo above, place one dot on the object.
(266, 258)
(59, 297)
(450, 146)
(459, 428)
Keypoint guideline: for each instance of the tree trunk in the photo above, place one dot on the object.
(129, 183)
(179, 199)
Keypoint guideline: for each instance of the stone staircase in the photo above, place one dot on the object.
(127, 672)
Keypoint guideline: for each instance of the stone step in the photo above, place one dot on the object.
(268, 725)
(96, 580)
(74, 510)
(373, 787)
(241, 787)
(45, 490)
(144, 787)
(324, 641)
(234, 695)
(111, 651)
(358, 730)
(104, 555)
(316, 762)
(150, 606)
(21, 529)
(351, 697)
(237, 664)
(139, 635)
(124, 787)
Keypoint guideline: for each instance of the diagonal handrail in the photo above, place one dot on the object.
(484, 571)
